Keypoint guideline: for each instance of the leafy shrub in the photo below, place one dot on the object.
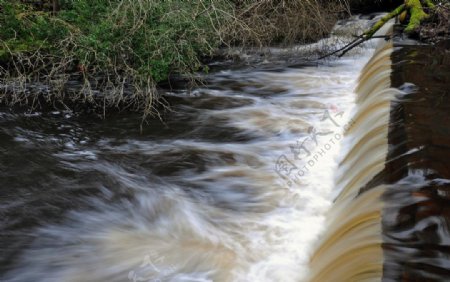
(138, 43)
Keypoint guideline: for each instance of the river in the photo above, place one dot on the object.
(232, 185)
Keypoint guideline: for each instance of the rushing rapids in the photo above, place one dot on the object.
(390, 219)
(233, 186)
(350, 249)
(296, 173)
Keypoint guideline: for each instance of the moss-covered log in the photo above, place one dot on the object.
(384, 20)
(411, 12)
(429, 3)
(417, 14)
(413, 8)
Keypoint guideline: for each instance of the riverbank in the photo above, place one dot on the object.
(125, 49)
(112, 56)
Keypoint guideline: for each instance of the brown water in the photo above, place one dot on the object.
(390, 219)
(249, 178)
(351, 247)
(232, 186)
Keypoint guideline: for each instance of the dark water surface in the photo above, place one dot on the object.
(52, 163)
(196, 196)
(417, 213)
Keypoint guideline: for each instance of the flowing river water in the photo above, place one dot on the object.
(234, 185)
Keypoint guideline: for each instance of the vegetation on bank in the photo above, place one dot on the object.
(119, 50)
(125, 47)
(416, 14)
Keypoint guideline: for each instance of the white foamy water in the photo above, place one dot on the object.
(241, 209)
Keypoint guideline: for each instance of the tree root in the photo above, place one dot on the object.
(417, 15)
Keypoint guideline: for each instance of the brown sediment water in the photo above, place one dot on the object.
(351, 247)
(222, 190)
(391, 217)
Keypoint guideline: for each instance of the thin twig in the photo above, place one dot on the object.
(358, 41)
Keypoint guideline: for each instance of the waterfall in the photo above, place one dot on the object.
(351, 247)
(236, 185)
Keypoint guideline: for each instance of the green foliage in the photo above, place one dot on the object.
(22, 29)
(151, 37)
(141, 42)
(417, 14)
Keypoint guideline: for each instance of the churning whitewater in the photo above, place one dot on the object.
(240, 195)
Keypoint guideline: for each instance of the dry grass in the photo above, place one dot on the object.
(437, 27)
(266, 22)
(116, 80)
